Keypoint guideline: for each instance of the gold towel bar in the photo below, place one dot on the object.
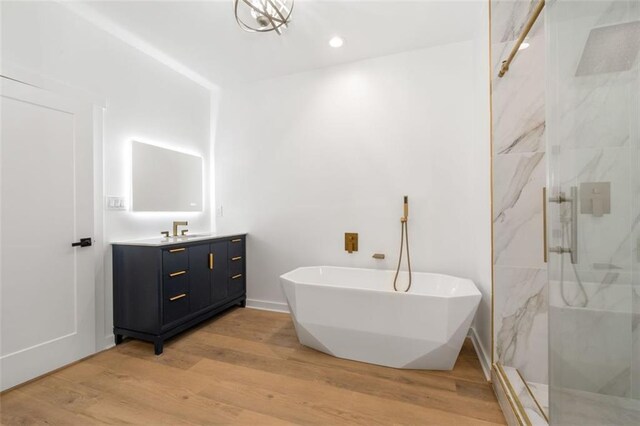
(525, 31)
(544, 224)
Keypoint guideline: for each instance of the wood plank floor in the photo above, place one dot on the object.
(247, 367)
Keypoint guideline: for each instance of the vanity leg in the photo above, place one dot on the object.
(158, 347)
(243, 304)
(119, 338)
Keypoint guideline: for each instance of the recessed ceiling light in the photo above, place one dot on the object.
(523, 46)
(336, 42)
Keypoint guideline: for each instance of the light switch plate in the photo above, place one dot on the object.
(115, 203)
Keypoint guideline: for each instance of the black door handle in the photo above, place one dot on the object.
(84, 242)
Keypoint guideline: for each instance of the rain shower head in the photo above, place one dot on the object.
(613, 48)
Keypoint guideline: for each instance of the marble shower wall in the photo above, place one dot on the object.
(519, 174)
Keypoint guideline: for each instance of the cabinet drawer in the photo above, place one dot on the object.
(175, 259)
(176, 285)
(236, 247)
(176, 307)
(236, 266)
(236, 284)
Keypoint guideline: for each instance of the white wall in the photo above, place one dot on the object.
(299, 160)
(144, 99)
(480, 179)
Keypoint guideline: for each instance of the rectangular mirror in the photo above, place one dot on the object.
(164, 180)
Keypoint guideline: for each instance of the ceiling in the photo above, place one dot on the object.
(204, 36)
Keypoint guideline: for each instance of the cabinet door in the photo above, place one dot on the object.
(200, 277)
(220, 275)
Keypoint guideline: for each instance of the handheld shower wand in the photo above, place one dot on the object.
(404, 235)
(406, 209)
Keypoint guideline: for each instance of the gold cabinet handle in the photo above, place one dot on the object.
(180, 296)
(211, 261)
(176, 274)
(238, 240)
(236, 258)
(235, 277)
(544, 224)
(178, 250)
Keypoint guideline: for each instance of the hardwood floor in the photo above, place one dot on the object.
(247, 367)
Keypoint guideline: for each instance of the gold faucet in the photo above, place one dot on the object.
(175, 227)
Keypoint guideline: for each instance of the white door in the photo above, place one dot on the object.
(47, 291)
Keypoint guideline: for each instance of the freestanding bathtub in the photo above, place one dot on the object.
(355, 314)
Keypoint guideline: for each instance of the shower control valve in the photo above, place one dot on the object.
(351, 242)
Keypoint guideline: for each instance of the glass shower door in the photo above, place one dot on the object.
(593, 204)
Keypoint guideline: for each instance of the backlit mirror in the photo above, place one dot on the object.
(165, 180)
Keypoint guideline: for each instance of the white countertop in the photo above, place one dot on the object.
(162, 241)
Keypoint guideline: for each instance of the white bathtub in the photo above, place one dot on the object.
(355, 314)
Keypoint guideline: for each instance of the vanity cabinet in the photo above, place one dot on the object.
(162, 290)
(210, 274)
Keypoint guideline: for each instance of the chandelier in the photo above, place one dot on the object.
(261, 16)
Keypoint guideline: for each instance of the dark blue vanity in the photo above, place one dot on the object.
(163, 287)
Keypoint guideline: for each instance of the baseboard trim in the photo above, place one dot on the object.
(49, 373)
(485, 362)
(107, 342)
(265, 305)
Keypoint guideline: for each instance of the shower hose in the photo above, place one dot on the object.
(404, 236)
(585, 299)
